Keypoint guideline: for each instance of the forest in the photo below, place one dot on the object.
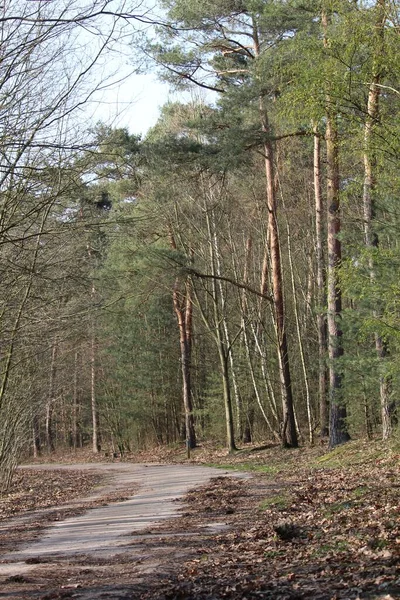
(233, 275)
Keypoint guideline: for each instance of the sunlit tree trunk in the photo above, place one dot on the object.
(93, 399)
(183, 307)
(222, 342)
(289, 433)
(321, 292)
(75, 408)
(300, 338)
(51, 400)
(227, 335)
(37, 447)
(370, 236)
(183, 310)
(13, 417)
(338, 427)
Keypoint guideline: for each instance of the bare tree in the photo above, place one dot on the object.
(45, 80)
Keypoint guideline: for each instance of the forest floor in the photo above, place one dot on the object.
(307, 524)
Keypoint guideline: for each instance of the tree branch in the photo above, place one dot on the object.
(242, 286)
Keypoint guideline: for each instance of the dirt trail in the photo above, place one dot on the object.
(102, 533)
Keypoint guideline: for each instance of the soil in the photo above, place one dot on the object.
(329, 532)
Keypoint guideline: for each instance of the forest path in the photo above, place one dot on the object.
(103, 532)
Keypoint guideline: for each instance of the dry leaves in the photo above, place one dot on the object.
(325, 534)
(36, 489)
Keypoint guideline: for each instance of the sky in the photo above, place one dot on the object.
(128, 99)
(134, 103)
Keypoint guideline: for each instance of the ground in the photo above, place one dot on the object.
(308, 524)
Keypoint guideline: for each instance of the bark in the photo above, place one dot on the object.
(300, 338)
(338, 414)
(13, 425)
(244, 310)
(321, 293)
(370, 237)
(230, 435)
(75, 443)
(93, 400)
(246, 321)
(254, 382)
(367, 415)
(223, 348)
(248, 427)
(288, 433)
(183, 307)
(50, 401)
(215, 324)
(227, 336)
(183, 312)
(37, 447)
(250, 349)
(236, 392)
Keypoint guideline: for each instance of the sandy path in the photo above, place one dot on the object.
(103, 531)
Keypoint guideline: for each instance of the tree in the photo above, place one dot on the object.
(44, 81)
(217, 59)
(369, 185)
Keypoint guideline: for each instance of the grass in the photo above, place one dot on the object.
(355, 453)
(360, 491)
(280, 501)
(338, 507)
(247, 466)
(333, 548)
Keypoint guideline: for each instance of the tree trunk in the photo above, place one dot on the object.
(338, 414)
(222, 342)
(299, 337)
(321, 293)
(371, 238)
(95, 418)
(289, 433)
(75, 404)
(223, 359)
(227, 337)
(93, 401)
(183, 307)
(183, 310)
(50, 401)
(37, 448)
(245, 322)
(248, 426)
(244, 309)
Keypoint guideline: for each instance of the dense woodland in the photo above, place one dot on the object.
(233, 276)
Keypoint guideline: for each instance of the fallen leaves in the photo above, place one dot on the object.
(337, 537)
(33, 489)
